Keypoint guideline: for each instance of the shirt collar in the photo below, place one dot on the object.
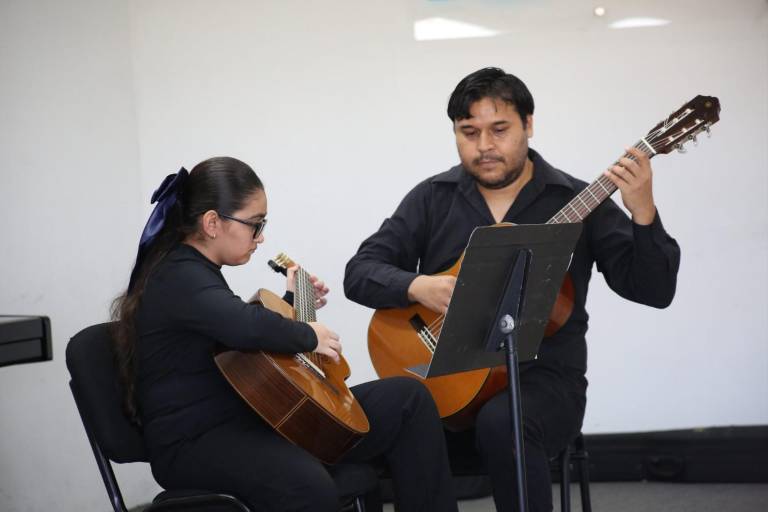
(543, 175)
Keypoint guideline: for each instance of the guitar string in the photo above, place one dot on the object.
(302, 307)
(305, 309)
(309, 306)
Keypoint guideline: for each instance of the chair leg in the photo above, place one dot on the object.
(565, 480)
(359, 504)
(586, 501)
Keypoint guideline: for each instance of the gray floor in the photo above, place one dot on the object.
(654, 496)
(649, 496)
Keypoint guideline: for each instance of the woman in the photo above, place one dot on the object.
(199, 433)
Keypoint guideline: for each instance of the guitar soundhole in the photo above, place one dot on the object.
(417, 323)
(423, 332)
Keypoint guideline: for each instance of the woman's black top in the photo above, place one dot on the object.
(186, 310)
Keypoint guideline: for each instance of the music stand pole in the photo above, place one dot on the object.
(507, 327)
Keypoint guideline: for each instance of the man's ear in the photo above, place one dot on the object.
(529, 125)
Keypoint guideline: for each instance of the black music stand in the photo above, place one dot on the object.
(505, 290)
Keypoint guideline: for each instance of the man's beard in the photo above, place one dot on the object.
(509, 176)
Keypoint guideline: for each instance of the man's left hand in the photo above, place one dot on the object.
(634, 179)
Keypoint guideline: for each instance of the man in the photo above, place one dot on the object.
(501, 180)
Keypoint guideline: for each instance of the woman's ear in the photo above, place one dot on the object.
(210, 223)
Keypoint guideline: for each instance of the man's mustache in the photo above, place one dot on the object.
(488, 156)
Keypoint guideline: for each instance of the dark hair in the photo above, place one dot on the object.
(221, 184)
(491, 83)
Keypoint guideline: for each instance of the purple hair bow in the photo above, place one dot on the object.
(165, 196)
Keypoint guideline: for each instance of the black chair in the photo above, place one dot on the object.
(574, 456)
(471, 478)
(115, 439)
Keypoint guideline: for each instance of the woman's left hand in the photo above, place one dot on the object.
(320, 291)
(319, 286)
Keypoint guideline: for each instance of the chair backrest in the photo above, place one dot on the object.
(98, 396)
(113, 437)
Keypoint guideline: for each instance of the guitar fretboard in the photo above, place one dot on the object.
(590, 198)
(304, 298)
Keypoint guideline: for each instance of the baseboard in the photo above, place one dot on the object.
(716, 454)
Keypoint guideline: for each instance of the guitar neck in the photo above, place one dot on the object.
(304, 298)
(677, 129)
(598, 191)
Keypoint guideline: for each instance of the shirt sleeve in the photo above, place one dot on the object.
(207, 305)
(639, 263)
(386, 263)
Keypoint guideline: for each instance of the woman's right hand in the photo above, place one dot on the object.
(328, 343)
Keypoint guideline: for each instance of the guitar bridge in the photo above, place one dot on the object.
(304, 360)
(423, 332)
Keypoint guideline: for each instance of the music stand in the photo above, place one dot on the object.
(505, 290)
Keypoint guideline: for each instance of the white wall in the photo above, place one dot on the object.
(341, 112)
(69, 190)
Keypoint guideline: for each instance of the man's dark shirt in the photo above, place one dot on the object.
(431, 227)
(185, 311)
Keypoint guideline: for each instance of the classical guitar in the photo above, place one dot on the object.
(403, 338)
(302, 396)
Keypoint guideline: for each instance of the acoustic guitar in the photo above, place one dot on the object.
(302, 396)
(403, 338)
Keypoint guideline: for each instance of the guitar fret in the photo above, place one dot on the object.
(304, 300)
(647, 144)
(599, 190)
(574, 211)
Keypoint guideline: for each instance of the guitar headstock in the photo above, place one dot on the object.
(684, 125)
(281, 263)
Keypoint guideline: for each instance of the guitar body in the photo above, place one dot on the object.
(319, 414)
(394, 345)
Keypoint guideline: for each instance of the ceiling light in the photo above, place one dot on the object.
(599, 11)
(639, 23)
(431, 29)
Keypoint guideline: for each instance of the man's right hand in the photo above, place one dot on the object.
(433, 292)
(328, 343)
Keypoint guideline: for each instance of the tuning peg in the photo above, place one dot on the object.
(706, 129)
(692, 138)
(680, 148)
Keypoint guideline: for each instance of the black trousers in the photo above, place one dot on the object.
(248, 459)
(553, 402)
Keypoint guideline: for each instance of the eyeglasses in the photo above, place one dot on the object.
(258, 227)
